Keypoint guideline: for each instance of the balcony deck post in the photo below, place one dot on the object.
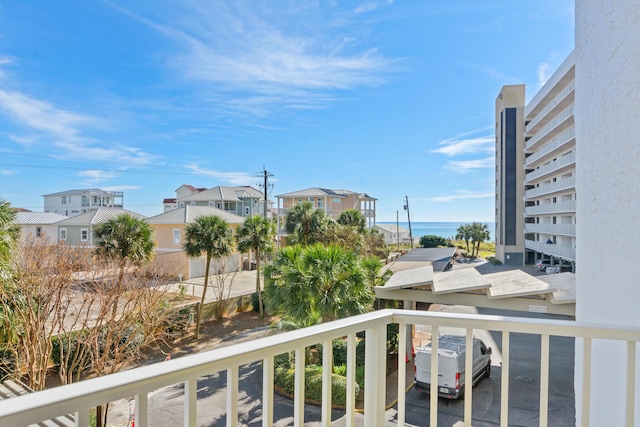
(351, 381)
(298, 398)
(374, 376)
(267, 392)
(141, 411)
(232, 396)
(327, 367)
(190, 401)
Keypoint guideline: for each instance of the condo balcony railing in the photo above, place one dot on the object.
(554, 229)
(567, 206)
(560, 142)
(563, 184)
(551, 129)
(564, 252)
(562, 163)
(557, 100)
(79, 397)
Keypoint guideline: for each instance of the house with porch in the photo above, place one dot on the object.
(79, 201)
(38, 225)
(78, 230)
(243, 201)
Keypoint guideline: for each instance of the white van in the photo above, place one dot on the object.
(451, 373)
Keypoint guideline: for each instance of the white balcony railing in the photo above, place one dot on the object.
(561, 141)
(79, 397)
(564, 252)
(558, 229)
(553, 167)
(553, 104)
(549, 130)
(568, 206)
(563, 184)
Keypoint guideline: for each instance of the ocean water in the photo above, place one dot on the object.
(442, 229)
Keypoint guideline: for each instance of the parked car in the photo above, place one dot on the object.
(541, 265)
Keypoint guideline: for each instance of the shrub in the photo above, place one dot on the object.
(432, 241)
(285, 381)
(255, 303)
(74, 349)
(178, 321)
(7, 363)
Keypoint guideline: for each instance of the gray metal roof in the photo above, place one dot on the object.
(224, 193)
(188, 214)
(98, 216)
(24, 218)
(313, 192)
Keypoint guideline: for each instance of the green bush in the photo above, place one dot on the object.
(393, 334)
(178, 321)
(432, 241)
(75, 351)
(7, 363)
(285, 381)
(255, 303)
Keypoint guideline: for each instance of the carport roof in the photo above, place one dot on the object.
(510, 290)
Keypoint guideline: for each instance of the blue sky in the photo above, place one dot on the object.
(391, 98)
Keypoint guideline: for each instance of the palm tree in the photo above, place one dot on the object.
(352, 218)
(479, 233)
(306, 225)
(125, 240)
(318, 282)
(464, 233)
(257, 234)
(211, 235)
(8, 240)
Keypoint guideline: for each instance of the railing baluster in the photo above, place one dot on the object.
(402, 372)
(351, 381)
(374, 377)
(631, 383)
(468, 377)
(586, 381)
(82, 418)
(327, 357)
(544, 380)
(232, 396)
(267, 392)
(433, 404)
(190, 401)
(141, 411)
(298, 399)
(504, 381)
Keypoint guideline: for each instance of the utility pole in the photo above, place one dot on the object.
(265, 186)
(398, 228)
(406, 208)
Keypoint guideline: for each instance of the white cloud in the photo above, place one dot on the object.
(6, 172)
(96, 174)
(461, 195)
(466, 166)
(455, 147)
(65, 128)
(121, 188)
(365, 7)
(269, 57)
(543, 68)
(235, 178)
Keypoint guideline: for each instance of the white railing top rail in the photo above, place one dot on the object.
(51, 403)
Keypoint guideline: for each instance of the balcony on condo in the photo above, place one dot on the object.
(78, 398)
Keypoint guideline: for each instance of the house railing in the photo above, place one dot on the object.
(79, 397)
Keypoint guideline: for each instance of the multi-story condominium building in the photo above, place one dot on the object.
(536, 190)
(77, 202)
(242, 200)
(510, 174)
(332, 202)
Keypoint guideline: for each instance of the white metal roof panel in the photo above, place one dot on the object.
(415, 277)
(516, 283)
(463, 280)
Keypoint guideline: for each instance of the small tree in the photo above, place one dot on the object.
(464, 233)
(257, 234)
(352, 218)
(479, 233)
(306, 225)
(212, 236)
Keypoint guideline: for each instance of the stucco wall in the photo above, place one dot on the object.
(607, 114)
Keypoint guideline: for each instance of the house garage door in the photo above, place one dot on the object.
(196, 267)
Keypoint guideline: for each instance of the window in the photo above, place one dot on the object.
(336, 200)
(64, 200)
(181, 204)
(63, 234)
(246, 210)
(84, 234)
(299, 201)
(210, 203)
(176, 236)
(319, 203)
(38, 232)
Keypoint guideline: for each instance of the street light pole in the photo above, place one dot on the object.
(406, 208)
